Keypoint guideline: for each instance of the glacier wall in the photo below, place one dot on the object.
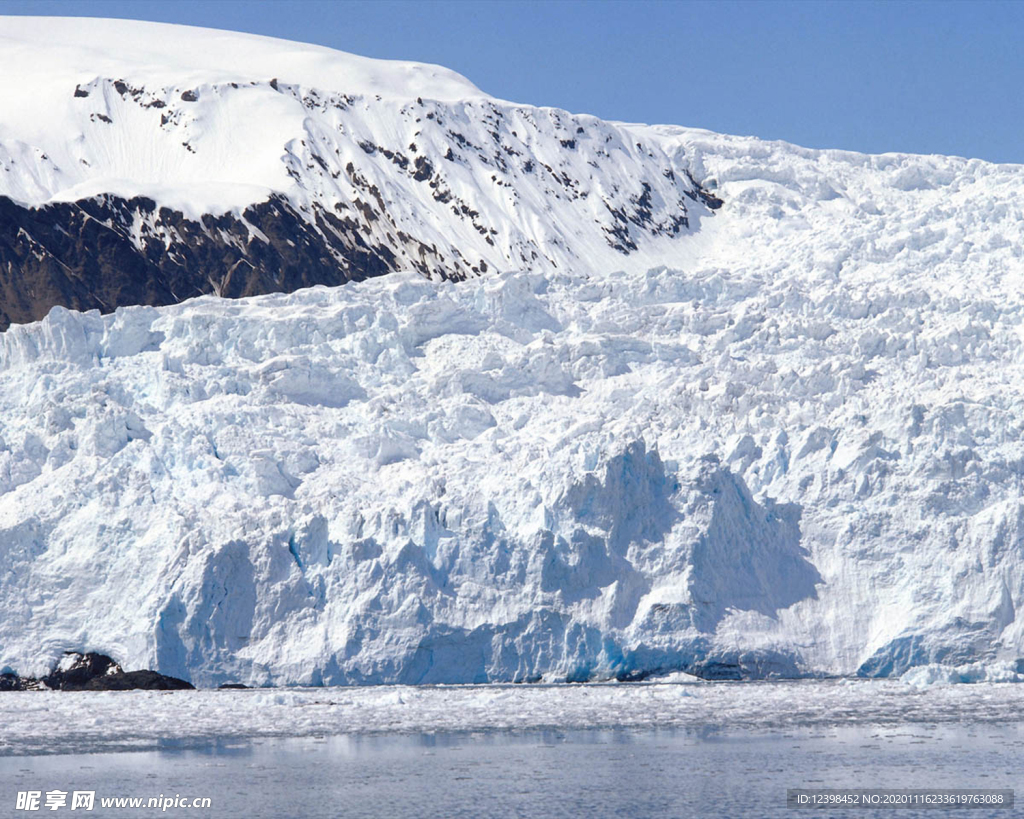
(519, 477)
(368, 484)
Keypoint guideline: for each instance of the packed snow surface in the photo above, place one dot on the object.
(66, 722)
(795, 450)
(57, 46)
(122, 106)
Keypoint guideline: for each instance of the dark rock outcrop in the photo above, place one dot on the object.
(86, 255)
(75, 671)
(11, 682)
(146, 680)
(92, 672)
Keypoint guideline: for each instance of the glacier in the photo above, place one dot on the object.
(788, 443)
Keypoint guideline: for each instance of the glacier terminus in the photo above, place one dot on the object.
(550, 398)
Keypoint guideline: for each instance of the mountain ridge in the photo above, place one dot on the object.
(369, 176)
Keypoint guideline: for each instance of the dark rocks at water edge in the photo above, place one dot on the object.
(92, 672)
(11, 682)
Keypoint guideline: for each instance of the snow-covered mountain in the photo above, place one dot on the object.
(145, 164)
(794, 448)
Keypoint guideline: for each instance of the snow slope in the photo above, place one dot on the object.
(796, 449)
(63, 72)
(409, 161)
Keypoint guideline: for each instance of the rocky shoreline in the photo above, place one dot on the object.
(92, 672)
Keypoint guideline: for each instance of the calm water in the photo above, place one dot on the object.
(546, 774)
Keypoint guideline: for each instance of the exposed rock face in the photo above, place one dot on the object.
(82, 255)
(126, 681)
(75, 671)
(11, 682)
(92, 672)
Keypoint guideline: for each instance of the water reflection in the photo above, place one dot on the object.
(622, 772)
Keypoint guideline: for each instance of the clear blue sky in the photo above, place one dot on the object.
(925, 77)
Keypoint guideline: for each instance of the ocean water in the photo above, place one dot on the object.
(713, 772)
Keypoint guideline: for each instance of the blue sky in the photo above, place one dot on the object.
(925, 77)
